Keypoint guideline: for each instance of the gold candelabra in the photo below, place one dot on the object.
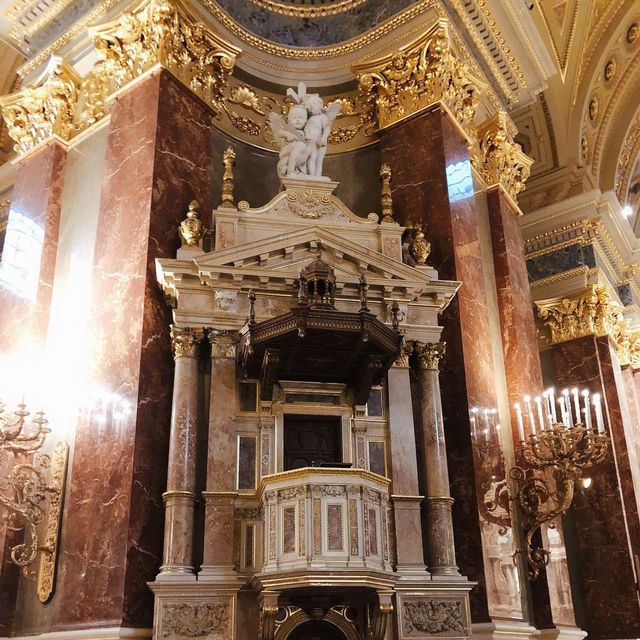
(24, 489)
(556, 453)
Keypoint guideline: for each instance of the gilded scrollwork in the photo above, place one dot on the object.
(164, 32)
(502, 160)
(44, 108)
(416, 76)
(590, 312)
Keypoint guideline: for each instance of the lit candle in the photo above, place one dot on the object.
(567, 404)
(516, 406)
(552, 404)
(486, 424)
(532, 424)
(576, 404)
(598, 407)
(587, 409)
(474, 432)
(540, 414)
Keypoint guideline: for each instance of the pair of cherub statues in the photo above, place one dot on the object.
(304, 136)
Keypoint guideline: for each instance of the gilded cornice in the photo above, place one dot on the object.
(589, 312)
(44, 108)
(308, 11)
(416, 76)
(156, 32)
(503, 161)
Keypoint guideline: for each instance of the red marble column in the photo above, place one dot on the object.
(34, 220)
(157, 161)
(520, 348)
(432, 185)
(606, 515)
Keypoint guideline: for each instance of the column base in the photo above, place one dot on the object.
(428, 609)
(193, 609)
(95, 633)
(503, 630)
(562, 633)
(183, 574)
(221, 574)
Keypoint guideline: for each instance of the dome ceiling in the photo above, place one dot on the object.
(310, 23)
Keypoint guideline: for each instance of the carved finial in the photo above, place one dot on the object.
(252, 307)
(395, 315)
(191, 228)
(419, 248)
(228, 159)
(386, 201)
(363, 287)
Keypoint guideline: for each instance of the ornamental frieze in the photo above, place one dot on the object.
(182, 621)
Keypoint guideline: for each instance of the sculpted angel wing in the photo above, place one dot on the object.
(333, 110)
(281, 129)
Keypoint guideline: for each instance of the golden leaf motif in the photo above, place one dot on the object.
(246, 97)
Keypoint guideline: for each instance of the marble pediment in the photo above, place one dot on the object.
(283, 256)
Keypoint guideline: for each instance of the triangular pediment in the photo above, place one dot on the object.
(288, 253)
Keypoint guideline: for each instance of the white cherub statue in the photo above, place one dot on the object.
(303, 138)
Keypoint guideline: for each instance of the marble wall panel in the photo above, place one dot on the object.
(606, 518)
(571, 257)
(434, 185)
(156, 162)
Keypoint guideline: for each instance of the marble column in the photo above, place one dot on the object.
(33, 223)
(180, 496)
(433, 186)
(218, 563)
(521, 360)
(606, 514)
(404, 469)
(438, 500)
(158, 159)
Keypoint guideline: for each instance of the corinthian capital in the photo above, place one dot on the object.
(165, 32)
(503, 161)
(223, 343)
(43, 108)
(185, 341)
(414, 77)
(429, 354)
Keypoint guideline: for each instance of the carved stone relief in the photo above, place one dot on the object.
(182, 621)
(433, 617)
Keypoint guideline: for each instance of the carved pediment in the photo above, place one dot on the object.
(289, 252)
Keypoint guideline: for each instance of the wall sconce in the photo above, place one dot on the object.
(34, 477)
(559, 448)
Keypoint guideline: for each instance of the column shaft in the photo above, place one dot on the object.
(221, 461)
(438, 502)
(606, 515)
(404, 469)
(180, 496)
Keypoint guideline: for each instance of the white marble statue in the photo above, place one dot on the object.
(303, 137)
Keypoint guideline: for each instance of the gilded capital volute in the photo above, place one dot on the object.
(503, 162)
(416, 76)
(44, 108)
(185, 341)
(429, 354)
(588, 312)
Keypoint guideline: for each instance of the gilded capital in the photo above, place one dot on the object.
(589, 312)
(223, 343)
(430, 354)
(165, 32)
(416, 76)
(44, 108)
(502, 160)
(185, 341)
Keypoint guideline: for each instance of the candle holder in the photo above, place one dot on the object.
(24, 490)
(555, 454)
